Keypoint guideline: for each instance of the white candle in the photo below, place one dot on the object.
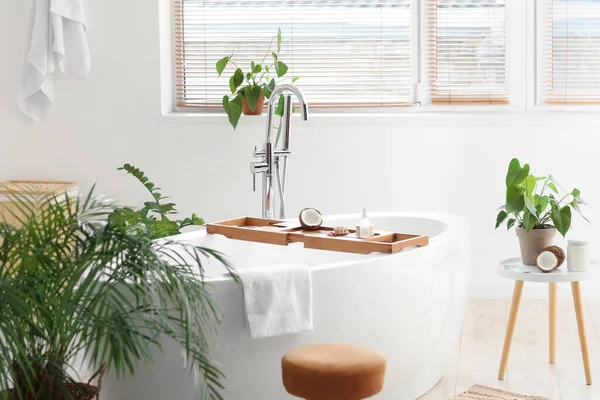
(578, 256)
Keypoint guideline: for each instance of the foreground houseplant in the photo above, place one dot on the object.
(156, 216)
(537, 208)
(73, 284)
(250, 88)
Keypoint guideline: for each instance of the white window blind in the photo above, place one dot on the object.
(572, 52)
(467, 57)
(347, 53)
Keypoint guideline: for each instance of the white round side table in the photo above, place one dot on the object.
(513, 268)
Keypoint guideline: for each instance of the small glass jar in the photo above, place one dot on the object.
(578, 256)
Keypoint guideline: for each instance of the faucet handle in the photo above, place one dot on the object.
(257, 167)
(258, 153)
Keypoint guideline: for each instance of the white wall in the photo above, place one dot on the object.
(425, 163)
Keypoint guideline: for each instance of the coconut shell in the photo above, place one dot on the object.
(558, 252)
(305, 225)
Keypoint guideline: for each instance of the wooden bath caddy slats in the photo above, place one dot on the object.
(283, 232)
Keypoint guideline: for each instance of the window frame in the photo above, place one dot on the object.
(538, 38)
(524, 20)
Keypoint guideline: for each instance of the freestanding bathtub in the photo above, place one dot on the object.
(408, 306)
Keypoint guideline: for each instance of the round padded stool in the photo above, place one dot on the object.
(333, 372)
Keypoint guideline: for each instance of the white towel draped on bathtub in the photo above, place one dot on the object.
(57, 37)
(278, 300)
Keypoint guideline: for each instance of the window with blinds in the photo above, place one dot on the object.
(467, 53)
(347, 53)
(573, 52)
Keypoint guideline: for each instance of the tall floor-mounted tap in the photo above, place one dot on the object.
(271, 161)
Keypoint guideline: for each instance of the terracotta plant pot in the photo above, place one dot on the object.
(260, 103)
(534, 242)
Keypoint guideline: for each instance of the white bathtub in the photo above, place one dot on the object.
(408, 306)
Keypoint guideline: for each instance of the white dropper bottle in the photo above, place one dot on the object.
(364, 226)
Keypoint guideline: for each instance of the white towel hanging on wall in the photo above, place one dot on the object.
(58, 36)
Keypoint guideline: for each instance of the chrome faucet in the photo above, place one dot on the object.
(272, 162)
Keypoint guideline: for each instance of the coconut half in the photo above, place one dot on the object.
(550, 258)
(311, 219)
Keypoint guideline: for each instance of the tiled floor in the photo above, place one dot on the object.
(477, 358)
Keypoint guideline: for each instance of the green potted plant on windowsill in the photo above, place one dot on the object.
(537, 214)
(250, 89)
(74, 283)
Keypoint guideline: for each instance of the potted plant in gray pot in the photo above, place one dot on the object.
(538, 208)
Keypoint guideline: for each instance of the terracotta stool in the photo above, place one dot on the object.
(333, 372)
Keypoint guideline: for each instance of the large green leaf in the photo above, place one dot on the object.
(515, 201)
(516, 174)
(234, 109)
(500, 218)
(252, 94)
(222, 64)
(561, 218)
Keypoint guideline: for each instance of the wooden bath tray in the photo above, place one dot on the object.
(285, 232)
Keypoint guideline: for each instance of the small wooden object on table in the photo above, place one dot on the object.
(29, 189)
(513, 268)
(285, 232)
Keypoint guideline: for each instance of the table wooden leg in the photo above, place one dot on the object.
(510, 328)
(578, 301)
(552, 321)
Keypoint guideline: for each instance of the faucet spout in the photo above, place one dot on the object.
(272, 100)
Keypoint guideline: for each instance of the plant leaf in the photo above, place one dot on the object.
(236, 80)
(510, 223)
(529, 221)
(233, 108)
(530, 204)
(561, 218)
(542, 204)
(294, 79)
(552, 186)
(500, 218)
(279, 40)
(515, 201)
(516, 174)
(575, 205)
(222, 64)
(266, 92)
(530, 183)
(281, 69)
(279, 109)
(252, 94)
